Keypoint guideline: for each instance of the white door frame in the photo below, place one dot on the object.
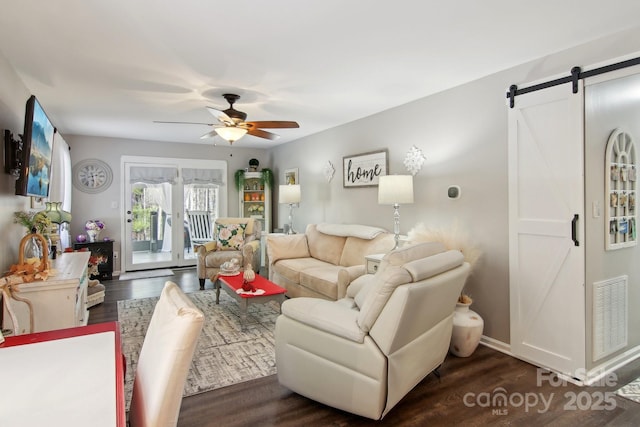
(177, 203)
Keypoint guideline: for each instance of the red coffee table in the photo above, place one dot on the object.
(231, 284)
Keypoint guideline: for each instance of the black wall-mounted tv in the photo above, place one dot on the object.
(37, 150)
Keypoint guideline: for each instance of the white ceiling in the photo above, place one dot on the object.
(110, 68)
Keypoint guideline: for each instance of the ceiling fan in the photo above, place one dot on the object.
(232, 126)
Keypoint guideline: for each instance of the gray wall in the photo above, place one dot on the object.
(609, 105)
(463, 133)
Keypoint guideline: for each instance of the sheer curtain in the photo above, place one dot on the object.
(159, 181)
(60, 189)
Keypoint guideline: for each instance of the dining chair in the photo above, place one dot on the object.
(164, 360)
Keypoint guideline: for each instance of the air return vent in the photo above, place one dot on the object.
(609, 316)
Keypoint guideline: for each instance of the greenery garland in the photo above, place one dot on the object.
(266, 178)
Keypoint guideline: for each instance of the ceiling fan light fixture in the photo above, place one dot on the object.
(230, 133)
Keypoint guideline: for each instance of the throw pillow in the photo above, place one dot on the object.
(230, 236)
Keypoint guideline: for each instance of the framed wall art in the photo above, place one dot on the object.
(291, 176)
(37, 202)
(364, 170)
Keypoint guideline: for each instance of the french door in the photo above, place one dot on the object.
(156, 194)
(546, 229)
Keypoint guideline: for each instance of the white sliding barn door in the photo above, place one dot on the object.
(546, 229)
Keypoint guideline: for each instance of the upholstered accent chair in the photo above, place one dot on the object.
(365, 352)
(233, 238)
(164, 360)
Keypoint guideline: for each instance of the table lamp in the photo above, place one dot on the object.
(58, 218)
(289, 194)
(395, 190)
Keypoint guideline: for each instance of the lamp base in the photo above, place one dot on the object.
(290, 225)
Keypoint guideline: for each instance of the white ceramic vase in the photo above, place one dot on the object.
(249, 275)
(467, 331)
(93, 235)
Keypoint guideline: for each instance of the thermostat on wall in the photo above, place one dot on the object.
(453, 192)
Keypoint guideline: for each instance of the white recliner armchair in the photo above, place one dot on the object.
(365, 352)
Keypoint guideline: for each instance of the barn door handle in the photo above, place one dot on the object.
(574, 230)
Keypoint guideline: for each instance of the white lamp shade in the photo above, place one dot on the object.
(231, 133)
(289, 193)
(394, 189)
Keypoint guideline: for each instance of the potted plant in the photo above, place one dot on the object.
(30, 220)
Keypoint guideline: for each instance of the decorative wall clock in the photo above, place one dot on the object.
(92, 176)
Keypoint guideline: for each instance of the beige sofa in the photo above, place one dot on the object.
(324, 260)
(365, 352)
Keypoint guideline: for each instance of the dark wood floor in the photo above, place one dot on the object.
(459, 397)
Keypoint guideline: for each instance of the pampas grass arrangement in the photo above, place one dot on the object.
(452, 238)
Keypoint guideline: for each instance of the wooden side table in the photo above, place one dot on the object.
(373, 262)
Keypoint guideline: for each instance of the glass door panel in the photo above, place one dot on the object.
(199, 197)
(158, 192)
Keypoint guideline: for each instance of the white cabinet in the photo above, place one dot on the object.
(255, 200)
(59, 302)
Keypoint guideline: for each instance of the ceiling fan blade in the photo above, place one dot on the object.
(184, 123)
(262, 134)
(274, 124)
(221, 116)
(209, 134)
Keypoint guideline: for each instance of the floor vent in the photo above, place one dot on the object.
(609, 316)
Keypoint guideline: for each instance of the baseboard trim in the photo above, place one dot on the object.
(495, 344)
(592, 376)
(600, 371)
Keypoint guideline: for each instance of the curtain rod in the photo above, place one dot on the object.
(576, 74)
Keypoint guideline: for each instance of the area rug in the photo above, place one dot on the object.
(146, 274)
(631, 391)
(224, 355)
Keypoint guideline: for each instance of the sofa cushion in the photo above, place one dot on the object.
(215, 259)
(424, 268)
(409, 253)
(290, 268)
(324, 246)
(358, 284)
(230, 220)
(355, 248)
(361, 296)
(328, 316)
(365, 232)
(230, 237)
(323, 279)
(384, 282)
(287, 247)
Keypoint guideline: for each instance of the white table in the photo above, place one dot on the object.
(68, 377)
(58, 302)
